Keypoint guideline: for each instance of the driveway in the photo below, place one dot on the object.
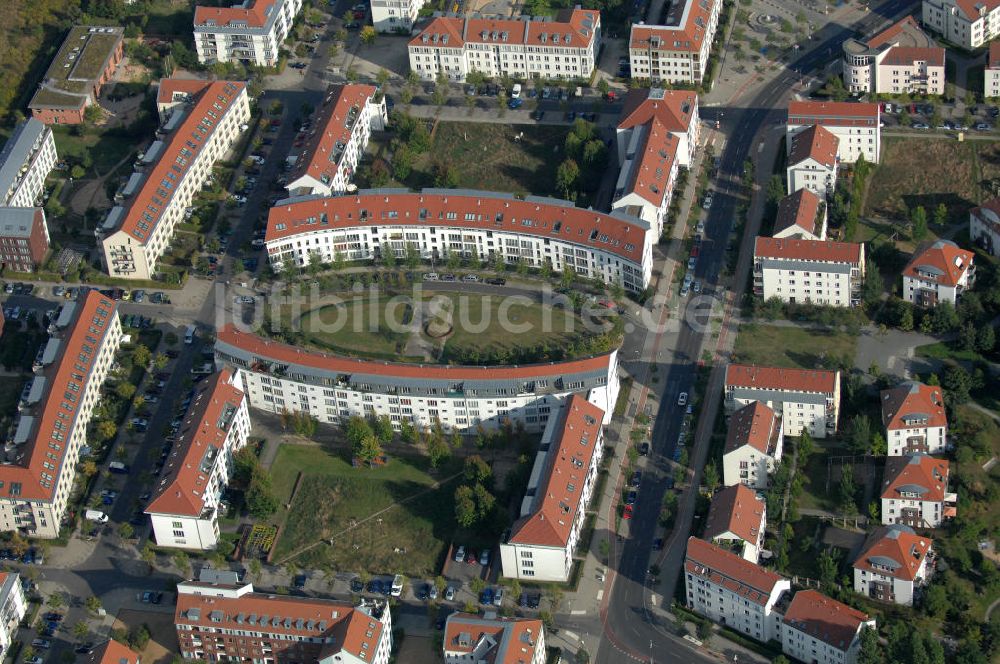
(893, 351)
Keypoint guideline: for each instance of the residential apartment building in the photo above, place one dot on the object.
(13, 607)
(24, 238)
(801, 216)
(657, 136)
(36, 483)
(900, 60)
(991, 74)
(984, 226)
(806, 399)
(541, 542)
(966, 23)
(522, 48)
(737, 519)
(812, 161)
(822, 630)
(137, 232)
(112, 652)
(914, 419)
(857, 126)
(472, 638)
(220, 618)
(26, 160)
(614, 248)
(678, 51)
(279, 378)
(809, 271)
(336, 143)
(395, 15)
(186, 501)
(915, 491)
(754, 444)
(251, 33)
(937, 273)
(734, 592)
(894, 562)
(87, 59)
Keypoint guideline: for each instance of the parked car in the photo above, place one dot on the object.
(627, 514)
(643, 449)
(356, 585)
(682, 399)
(459, 554)
(486, 597)
(45, 644)
(631, 497)
(636, 479)
(484, 557)
(449, 593)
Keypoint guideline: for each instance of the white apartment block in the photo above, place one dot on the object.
(471, 638)
(801, 216)
(984, 226)
(857, 126)
(185, 507)
(678, 51)
(139, 230)
(915, 492)
(36, 483)
(991, 74)
(734, 592)
(914, 419)
(809, 271)
(821, 630)
(252, 32)
(965, 23)
(901, 59)
(26, 160)
(813, 161)
(938, 273)
(279, 378)
(395, 15)
(13, 607)
(521, 48)
(657, 136)
(737, 520)
(337, 140)
(615, 248)
(805, 399)
(542, 541)
(893, 563)
(754, 445)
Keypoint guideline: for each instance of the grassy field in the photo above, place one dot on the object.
(333, 495)
(791, 347)
(814, 495)
(358, 326)
(927, 172)
(105, 150)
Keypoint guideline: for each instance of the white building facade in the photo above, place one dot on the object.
(801, 216)
(26, 160)
(821, 630)
(857, 126)
(809, 271)
(938, 273)
(899, 60)
(754, 445)
(962, 22)
(737, 520)
(252, 33)
(991, 73)
(679, 50)
(915, 492)
(395, 15)
(521, 48)
(805, 399)
(615, 248)
(136, 233)
(893, 563)
(186, 501)
(13, 607)
(984, 226)
(812, 161)
(914, 418)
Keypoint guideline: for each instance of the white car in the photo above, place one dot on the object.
(682, 399)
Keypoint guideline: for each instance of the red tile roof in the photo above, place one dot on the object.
(814, 143)
(516, 639)
(896, 549)
(755, 425)
(688, 35)
(913, 399)
(254, 16)
(574, 28)
(833, 113)
(33, 475)
(889, 35)
(971, 7)
(724, 568)
(319, 158)
(674, 108)
(738, 510)
(186, 475)
(188, 86)
(825, 619)
(908, 55)
(480, 210)
(651, 176)
(993, 59)
(146, 207)
(113, 652)
(567, 465)
(915, 473)
(800, 209)
(284, 353)
(942, 263)
(774, 378)
(440, 27)
(820, 251)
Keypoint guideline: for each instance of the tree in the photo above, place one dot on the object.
(919, 220)
(368, 449)
(93, 604)
(81, 630)
(149, 554)
(255, 568)
(141, 356)
(88, 468)
(358, 429)
(382, 77)
(871, 650)
(245, 466)
(477, 471)
(879, 445)
(827, 569)
(566, 176)
(804, 448)
(986, 339)
(55, 601)
(940, 215)
(125, 531)
(711, 476)
(874, 284)
(437, 449)
(936, 602)
(861, 434)
(485, 501)
(382, 427)
(847, 488)
(125, 390)
(465, 506)
(906, 319)
(967, 337)
(260, 498)
(182, 561)
(368, 35)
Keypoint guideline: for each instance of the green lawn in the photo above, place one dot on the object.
(814, 494)
(171, 18)
(333, 495)
(943, 350)
(105, 150)
(791, 347)
(358, 326)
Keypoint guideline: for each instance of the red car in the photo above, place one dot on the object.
(628, 512)
(359, 14)
(470, 557)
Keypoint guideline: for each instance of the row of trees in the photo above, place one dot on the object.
(250, 476)
(585, 162)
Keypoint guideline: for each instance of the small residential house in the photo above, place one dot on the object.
(754, 444)
(914, 419)
(915, 491)
(812, 161)
(894, 562)
(737, 520)
(937, 273)
(801, 216)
